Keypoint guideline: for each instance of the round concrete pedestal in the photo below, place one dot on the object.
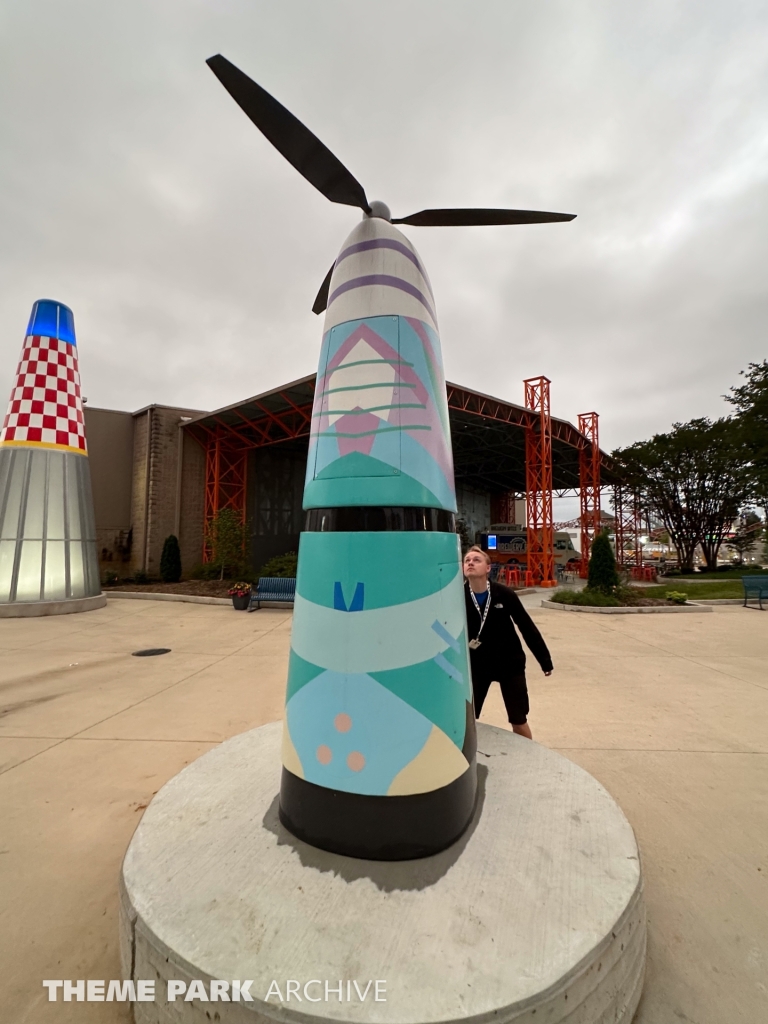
(535, 915)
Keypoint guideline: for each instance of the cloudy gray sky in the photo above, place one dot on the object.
(133, 189)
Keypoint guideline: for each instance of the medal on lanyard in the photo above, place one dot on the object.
(474, 644)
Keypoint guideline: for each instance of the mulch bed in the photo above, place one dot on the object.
(196, 588)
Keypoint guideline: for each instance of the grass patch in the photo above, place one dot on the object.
(588, 598)
(728, 574)
(716, 590)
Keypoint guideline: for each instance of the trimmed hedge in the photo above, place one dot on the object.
(170, 561)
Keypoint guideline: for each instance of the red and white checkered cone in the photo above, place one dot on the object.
(47, 527)
(45, 408)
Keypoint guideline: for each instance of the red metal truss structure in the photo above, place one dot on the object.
(538, 466)
(229, 434)
(503, 506)
(473, 402)
(589, 486)
(628, 527)
(226, 477)
(491, 441)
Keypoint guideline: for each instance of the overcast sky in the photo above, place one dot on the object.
(133, 189)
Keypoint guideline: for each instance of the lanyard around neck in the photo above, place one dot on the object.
(484, 613)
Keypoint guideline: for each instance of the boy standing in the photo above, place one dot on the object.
(496, 653)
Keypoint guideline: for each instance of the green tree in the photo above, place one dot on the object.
(603, 575)
(748, 533)
(694, 478)
(751, 402)
(170, 561)
(228, 537)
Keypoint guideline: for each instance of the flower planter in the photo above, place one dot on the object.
(240, 602)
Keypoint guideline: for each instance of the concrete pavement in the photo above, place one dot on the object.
(668, 712)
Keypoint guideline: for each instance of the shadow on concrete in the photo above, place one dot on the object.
(386, 875)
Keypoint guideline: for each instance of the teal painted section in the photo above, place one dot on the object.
(420, 346)
(300, 672)
(381, 397)
(424, 471)
(394, 567)
(378, 637)
(353, 734)
(354, 465)
(334, 570)
(378, 649)
(368, 486)
(424, 687)
(388, 452)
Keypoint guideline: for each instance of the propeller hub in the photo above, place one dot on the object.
(379, 209)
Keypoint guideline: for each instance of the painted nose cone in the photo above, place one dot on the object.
(51, 319)
(381, 210)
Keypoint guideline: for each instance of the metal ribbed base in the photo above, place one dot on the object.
(29, 609)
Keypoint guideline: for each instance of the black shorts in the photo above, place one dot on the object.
(513, 690)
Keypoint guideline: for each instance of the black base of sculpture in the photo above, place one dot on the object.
(378, 827)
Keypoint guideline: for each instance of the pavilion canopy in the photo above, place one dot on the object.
(488, 434)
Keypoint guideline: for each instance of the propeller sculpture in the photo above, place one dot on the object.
(379, 733)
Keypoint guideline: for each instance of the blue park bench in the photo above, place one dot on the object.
(273, 588)
(755, 586)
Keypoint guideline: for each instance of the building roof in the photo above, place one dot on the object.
(488, 434)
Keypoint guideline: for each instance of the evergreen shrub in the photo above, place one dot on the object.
(281, 565)
(170, 561)
(603, 575)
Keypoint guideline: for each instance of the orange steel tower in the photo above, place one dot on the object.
(538, 481)
(226, 448)
(225, 484)
(589, 486)
(628, 526)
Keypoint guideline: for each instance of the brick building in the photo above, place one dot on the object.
(147, 484)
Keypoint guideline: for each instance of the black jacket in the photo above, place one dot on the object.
(500, 653)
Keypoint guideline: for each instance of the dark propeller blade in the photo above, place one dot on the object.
(290, 137)
(322, 296)
(469, 218)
